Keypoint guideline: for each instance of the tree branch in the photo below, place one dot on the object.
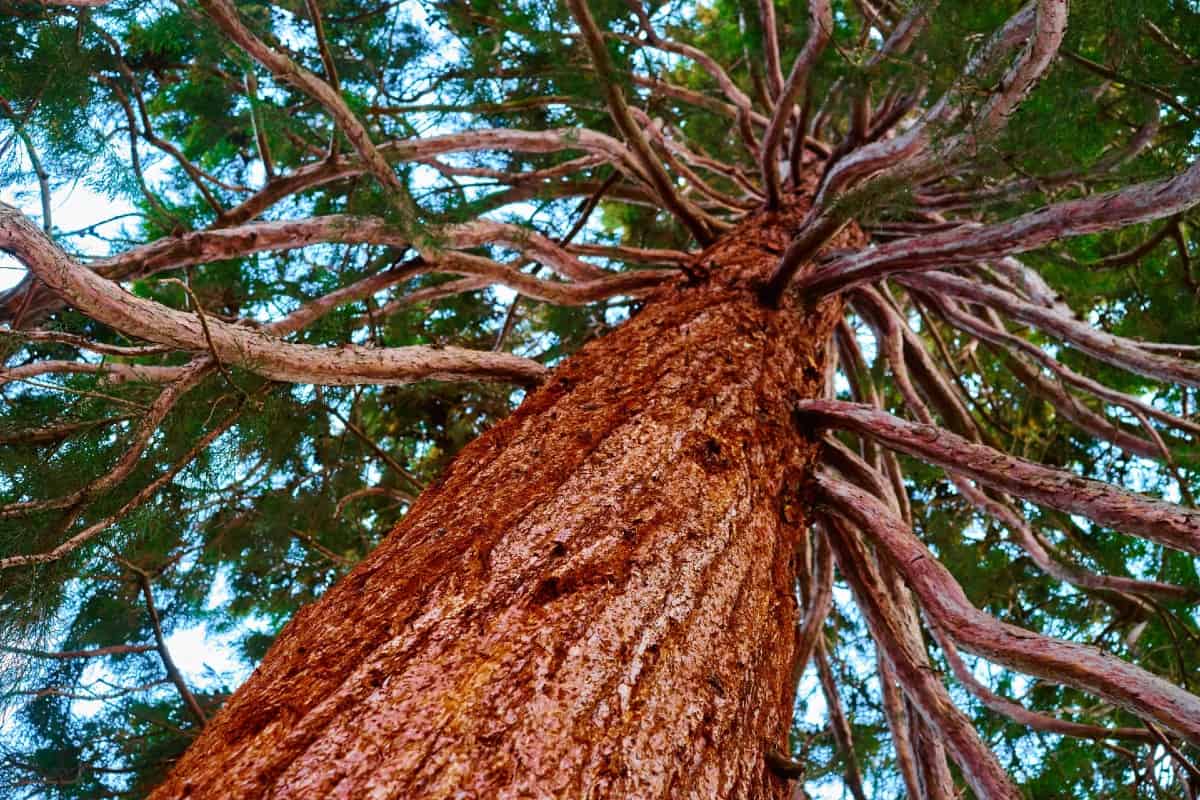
(1023, 716)
(164, 653)
(254, 350)
(95, 652)
(838, 723)
(225, 15)
(1166, 523)
(983, 773)
(1139, 203)
(1062, 662)
(820, 29)
(1102, 346)
(625, 123)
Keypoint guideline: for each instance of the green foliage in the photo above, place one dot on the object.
(276, 509)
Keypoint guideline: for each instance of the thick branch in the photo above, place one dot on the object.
(1062, 662)
(921, 684)
(1050, 561)
(820, 29)
(629, 128)
(921, 151)
(770, 31)
(1031, 719)
(1166, 523)
(254, 350)
(1139, 203)
(219, 244)
(1102, 346)
(904, 160)
(919, 154)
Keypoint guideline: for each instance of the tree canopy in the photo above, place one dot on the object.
(346, 236)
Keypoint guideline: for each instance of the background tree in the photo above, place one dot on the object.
(889, 396)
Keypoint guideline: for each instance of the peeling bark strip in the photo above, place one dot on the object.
(596, 600)
(1064, 663)
(1166, 523)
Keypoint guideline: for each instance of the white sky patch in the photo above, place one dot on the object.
(73, 207)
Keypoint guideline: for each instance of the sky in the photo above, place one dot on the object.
(73, 206)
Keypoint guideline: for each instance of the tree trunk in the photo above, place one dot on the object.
(595, 601)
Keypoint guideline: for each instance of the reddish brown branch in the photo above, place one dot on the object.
(820, 29)
(921, 684)
(1030, 719)
(1133, 204)
(899, 724)
(920, 154)
(1062, 662)
(992, 331)
(1166, 523)
(619, 110)
(255, 350)
(818, 599)
(1115, 589)
(1105, 347)
(838, 723)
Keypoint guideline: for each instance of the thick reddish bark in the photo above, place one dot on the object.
(595, 601)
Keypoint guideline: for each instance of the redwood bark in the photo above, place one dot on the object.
(595, 601)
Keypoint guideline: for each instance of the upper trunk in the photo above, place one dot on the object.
(595, 601)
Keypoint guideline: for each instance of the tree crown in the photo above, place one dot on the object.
(348, 235)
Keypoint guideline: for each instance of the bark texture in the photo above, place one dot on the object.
(595, 601)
